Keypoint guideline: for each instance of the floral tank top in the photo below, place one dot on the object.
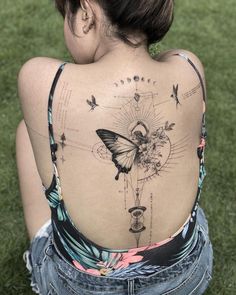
(91, 258)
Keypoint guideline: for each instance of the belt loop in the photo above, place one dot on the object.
(131, 287)
(49, 251)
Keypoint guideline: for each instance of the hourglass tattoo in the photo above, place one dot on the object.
(139, 146)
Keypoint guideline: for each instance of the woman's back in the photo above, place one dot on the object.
(127, 132)
(118, 140)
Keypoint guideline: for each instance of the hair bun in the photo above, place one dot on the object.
(152, 17)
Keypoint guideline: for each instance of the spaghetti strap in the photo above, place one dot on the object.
(203, 131)
(202, 145)
(183, 55)
(53, 144)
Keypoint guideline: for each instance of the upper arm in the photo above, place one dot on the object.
(34, 81)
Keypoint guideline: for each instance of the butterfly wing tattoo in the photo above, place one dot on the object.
(124, 151)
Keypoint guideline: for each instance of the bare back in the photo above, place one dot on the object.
(127, 138)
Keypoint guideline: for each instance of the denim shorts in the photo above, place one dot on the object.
(51, 274)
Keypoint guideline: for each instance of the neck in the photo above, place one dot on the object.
(119, 52)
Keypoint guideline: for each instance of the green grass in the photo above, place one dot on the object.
(33, 28)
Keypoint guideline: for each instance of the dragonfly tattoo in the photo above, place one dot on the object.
(92, 103)
(174, 95)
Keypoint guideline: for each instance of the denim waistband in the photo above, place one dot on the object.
(72, 273)
(50, 262)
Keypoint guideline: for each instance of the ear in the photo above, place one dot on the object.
(88, 15)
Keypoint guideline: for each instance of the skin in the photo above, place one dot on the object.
(96, 55)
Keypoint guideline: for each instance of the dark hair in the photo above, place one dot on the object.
(151, 17)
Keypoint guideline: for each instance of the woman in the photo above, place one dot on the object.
(115, 141)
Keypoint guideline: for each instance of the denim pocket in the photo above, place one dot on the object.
(29, 266)
(41, 257)
(196, 279)
(195, 284)
(39, 251)
(67, 280)
(177, 278)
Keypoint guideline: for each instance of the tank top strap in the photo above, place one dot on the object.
(53, 144)
(184, 55)
(203, 127)
(201, 146)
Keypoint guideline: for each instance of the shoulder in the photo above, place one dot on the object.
(174, 56)
(185, 64)
(36, 75)
(38, 65)
(34, 82)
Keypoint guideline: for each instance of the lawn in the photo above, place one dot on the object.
(33, 28)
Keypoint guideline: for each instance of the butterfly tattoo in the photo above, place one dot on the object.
(124, 151)
(144, 149)
(92, 103)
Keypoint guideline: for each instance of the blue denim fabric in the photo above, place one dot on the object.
(52, 274)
